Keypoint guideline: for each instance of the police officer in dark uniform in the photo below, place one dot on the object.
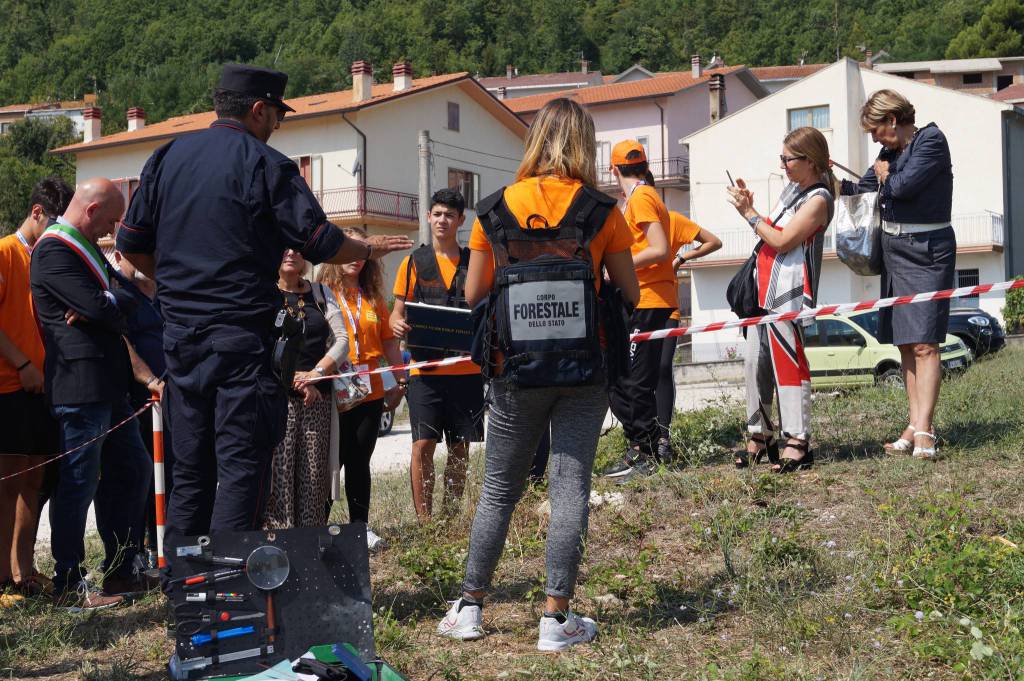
(210, 221)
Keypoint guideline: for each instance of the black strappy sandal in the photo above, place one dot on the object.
(769, 448)
(804, 463)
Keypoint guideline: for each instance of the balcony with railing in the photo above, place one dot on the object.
(975, 233)
(668, 172)
(362, 203)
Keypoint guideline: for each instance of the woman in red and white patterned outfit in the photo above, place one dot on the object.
(787, 271)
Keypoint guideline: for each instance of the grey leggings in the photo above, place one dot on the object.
(517, 420)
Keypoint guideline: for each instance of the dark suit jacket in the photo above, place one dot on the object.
(920, 184)
(88, 360)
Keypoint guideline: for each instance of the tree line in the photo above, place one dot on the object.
(166, 57)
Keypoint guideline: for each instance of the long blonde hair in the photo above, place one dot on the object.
(561, 141)
(812, 145)
(371, 277)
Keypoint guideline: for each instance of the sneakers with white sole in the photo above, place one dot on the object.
(374, 542)
(465, 624)
(556, 636)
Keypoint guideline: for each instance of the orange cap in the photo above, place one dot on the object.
(623, 149)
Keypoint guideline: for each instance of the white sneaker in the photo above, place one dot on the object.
(465, 624)
(555, 636)
(374, 542)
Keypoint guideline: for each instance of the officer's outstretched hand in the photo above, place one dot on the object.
(384, 244)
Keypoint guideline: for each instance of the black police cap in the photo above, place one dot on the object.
(266, 84)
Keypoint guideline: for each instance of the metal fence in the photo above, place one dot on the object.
(357, 201)
(663, 169)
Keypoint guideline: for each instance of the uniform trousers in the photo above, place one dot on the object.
(230, 412)
(775, 364)
(632, 399)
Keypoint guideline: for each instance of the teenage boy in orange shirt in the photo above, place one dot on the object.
(29, 429)
(446, 401)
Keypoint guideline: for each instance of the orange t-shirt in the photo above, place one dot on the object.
(683, 231)
(550, 197)
(367, 345)
(448, 268)
(17, 318)
(657, 281)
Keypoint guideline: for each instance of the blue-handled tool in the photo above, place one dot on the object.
(203, 639)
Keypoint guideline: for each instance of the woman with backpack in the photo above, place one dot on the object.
(300, 485)
(787, 267)
(538, 250)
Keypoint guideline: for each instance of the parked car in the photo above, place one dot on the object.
(387, 421)
(981, 332)
(844, 351)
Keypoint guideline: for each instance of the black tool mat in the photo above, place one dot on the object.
(324, 600)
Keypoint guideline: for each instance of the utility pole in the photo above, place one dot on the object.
(424, 193)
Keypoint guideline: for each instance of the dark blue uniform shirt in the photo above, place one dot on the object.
(920, 184)
(219, 208)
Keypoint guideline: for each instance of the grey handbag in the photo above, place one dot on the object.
(858, 233)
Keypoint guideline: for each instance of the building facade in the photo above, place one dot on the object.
(357, 148)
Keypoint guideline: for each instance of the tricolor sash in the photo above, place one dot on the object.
(85, 249)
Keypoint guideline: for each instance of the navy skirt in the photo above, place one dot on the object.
(911, 264)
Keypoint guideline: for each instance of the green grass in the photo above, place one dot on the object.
(867, 567)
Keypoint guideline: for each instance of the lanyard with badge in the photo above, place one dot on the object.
(350, 391)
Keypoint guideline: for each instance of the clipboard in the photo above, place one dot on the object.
(438, 329)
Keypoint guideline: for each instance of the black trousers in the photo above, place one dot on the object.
(358, 428)
(230, 412)
(632, 399)
(666, 391)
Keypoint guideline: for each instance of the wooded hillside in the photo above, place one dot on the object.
(165, 56)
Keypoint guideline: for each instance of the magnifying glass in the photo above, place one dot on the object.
(267, 567)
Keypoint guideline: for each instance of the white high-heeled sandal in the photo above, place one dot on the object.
(925, 453)
(901, 444)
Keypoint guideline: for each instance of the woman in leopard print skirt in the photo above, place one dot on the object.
(300, 482)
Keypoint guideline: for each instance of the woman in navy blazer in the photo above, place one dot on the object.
(913, 176)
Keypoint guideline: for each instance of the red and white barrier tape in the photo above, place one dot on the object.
(51, 458)
(963, 291)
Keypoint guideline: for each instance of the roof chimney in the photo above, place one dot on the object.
(509, 75)
(584, 66)
(136, 118)
(362, 81)
(502, 92)
(401, 72)
(716, 62)
(716, 91)
(695, 69)
(92, 117)
(868, 56)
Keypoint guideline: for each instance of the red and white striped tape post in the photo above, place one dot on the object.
(963, 291)
(159, 485)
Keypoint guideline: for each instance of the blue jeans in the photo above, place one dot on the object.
(115, 472)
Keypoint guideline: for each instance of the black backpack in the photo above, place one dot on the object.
(543, 315)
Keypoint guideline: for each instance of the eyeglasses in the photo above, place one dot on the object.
(786, 159)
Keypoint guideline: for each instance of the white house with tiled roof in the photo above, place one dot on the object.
(513, 85)
(356, 148)
(986, 140)
(12, 113)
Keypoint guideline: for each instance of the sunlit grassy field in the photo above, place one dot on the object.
(867, 567)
